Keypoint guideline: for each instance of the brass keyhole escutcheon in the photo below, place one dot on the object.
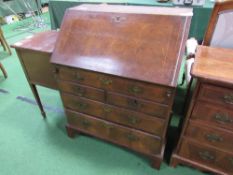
(105, 81)
(135, 90)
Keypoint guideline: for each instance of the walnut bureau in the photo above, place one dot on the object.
(34, 54)
(206, 141)
(117, 69)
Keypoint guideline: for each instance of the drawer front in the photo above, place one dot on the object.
(210, 157)
(139, 105)
(215, 115)
(38, 68)
(136, 140)
(211, 136)
(148, 91)
(114, 114)
(82, 91)
(218, 95)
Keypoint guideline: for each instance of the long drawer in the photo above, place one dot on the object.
(133, 139)
(115, 114)
(139, 105)
(208, 156)
(82, 91)
(218, 95)
(139, 89)
(219, 138)
(214, 115)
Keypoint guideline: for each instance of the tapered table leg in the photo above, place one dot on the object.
(37, 97)
(3, 70)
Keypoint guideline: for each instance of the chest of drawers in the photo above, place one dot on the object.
(207, 137)
(117, 72)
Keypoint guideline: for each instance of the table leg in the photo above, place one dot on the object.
(3, 70)
(37, 97)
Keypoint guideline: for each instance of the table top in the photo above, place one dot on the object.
(214, 64)
(126, 42)
(42, 42)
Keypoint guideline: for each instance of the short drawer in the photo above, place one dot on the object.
(148, 91)
(82, 91)
(213, 114)
(218, 95)
(139, 105)
(114, 114)
(207, 156)
(133, 139)
(219, 138)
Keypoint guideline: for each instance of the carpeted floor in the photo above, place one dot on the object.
(30, 145)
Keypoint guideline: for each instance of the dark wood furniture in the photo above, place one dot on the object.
(206, 141)
(3, 42)
(221, 8)
(34, 54)
(3, 70)
(117, 69)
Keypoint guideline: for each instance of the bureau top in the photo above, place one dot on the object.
(141, 43)
(134, 9)
(43, 42)
(214, 64)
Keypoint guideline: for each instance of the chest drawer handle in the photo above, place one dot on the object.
(81, 105)
(132, 138)
(107, 109)
(132, 120)
(105, 81)
(205, 155)
(85, 123)
(79, 77)
(224, 119)
(135, 90)
(107, 126)
(228, 99)
(214, 138)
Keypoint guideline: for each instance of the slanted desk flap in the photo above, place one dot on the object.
(142, 43)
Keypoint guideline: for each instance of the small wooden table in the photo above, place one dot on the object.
(34, 54)
(206, 141)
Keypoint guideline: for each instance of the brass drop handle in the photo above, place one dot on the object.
(85, 123)
(107, 109)
(132, 120)
(105, 81)
(79, 91)
(135, 90)
(213, 138)
(228, 99)
(221, 118)
(132, 137)
(107, 126)
(81, 105)
(205, 155)
(79, 77)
